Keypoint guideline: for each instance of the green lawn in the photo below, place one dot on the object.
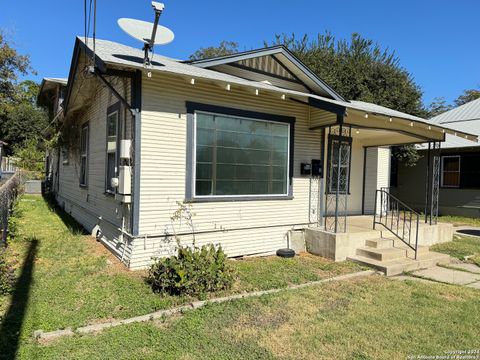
(461, 247)
(460, 220)
(70, 280)
(369, 318)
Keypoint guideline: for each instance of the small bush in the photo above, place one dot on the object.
(7, 274)
(13, 221)
(194, 271)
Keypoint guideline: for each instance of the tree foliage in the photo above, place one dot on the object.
(438, 106)
(29, 157)
(407, 154)
(20, 118)
(467, 96)
(224, 48)
(358, 69)
(11, 65)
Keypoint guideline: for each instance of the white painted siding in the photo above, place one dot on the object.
(377, 175)
(383, 180)
(248, 227)
(86, 204)
(371, 168)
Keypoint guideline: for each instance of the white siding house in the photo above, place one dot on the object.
(228, 136)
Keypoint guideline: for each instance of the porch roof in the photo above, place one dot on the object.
(355, 113)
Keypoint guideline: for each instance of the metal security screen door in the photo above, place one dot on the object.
(338, 178)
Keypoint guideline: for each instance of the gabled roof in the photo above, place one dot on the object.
(112, 54)
(288, 65)
(49, 84)
(465, 112)
(465, 118)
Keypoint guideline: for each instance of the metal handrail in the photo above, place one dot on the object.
(390, 217)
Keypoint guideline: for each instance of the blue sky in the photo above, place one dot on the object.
(437, 41)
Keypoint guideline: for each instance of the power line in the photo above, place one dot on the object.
(94, 27)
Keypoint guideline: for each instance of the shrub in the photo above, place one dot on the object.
(13, 221)
(7, 276)
(193, 271)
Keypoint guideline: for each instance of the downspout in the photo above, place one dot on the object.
(137, 103)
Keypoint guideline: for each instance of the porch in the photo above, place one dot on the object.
(380, 247)
(394, 238)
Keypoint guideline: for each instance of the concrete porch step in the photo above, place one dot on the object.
(398, 266)
(382, 254)
(391, 242)
(380, 243)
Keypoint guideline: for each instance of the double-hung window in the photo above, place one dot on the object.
(339, 176)
(238, 156)
(84, 156)
(112, 143)
(451, 171)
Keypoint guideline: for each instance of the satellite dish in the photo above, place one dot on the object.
(142, 31)
(148, 33)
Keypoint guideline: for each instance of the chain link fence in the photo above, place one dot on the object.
(8, 193)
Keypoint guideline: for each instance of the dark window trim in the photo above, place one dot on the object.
(85, 125)
(459, 171)
(192, 107)
(344, 139)
(116, 107)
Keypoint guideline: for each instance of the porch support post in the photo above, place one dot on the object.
(435, 183)
(339, 160)
(327, 187)
(427, 183)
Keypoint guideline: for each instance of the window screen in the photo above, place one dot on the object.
(333, 158)
(239, 156)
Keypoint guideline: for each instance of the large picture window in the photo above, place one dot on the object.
(451, 171)
(334, 157)
(111, 161)
(240, 156)
(84, 155)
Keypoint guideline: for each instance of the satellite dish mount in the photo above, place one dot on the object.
(149, 34)
(149, 43)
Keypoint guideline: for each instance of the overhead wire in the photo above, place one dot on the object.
(94, 28)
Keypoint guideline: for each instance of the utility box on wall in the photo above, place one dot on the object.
(314, 168)
(124, 180)
(305, 168)
(317, 168)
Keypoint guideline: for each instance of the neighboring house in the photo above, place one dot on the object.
(2, 155)
(51, 96)
(459, 167)
(255, 143)
(7, 163)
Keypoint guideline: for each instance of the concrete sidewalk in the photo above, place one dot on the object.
(464, 274)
